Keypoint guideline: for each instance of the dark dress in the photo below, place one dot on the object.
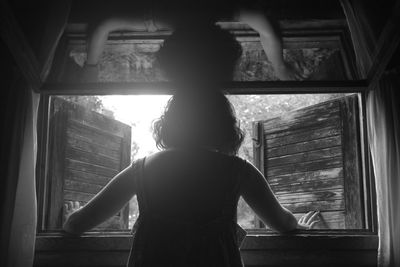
(187, 216)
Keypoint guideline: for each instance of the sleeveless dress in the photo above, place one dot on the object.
(161, 241)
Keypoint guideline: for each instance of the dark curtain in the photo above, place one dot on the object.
(19, 136)
(14, 108)
(383, 115)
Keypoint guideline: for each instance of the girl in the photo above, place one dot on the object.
(188, 192)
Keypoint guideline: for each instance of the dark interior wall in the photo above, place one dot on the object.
(32, 17)
(82, 11)
(373, 15)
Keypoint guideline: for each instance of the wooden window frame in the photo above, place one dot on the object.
(361, 240)
(367, 182)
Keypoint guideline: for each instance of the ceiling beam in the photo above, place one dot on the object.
(167, 88)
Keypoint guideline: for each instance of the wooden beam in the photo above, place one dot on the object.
(166, 88)
(13, 37)
(388, 43)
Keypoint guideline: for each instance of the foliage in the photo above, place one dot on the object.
(92, 103)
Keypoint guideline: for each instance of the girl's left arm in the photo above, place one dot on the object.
(104, 205)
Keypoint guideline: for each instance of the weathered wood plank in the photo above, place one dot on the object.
(352, 162)
(77, 196)
(324, 184)
(97, 128)
(305, 166)
(93, 154)
(305, 135)
(306, 206)
(90, 188)
(55, 175)
(79, 142)
(324, 153)
(304, 146)
(82, 176)
(317, 175)
(313, 125)
(85, 133)
(306, 196)
(304, 117)
(90, 168)
(92, 158)
(96, 120)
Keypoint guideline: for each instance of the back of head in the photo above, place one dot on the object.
(199, 119)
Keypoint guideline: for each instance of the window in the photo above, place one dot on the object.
(309, 144)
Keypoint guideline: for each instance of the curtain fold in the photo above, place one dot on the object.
(19, 207)
(383, 107)
(23, 223)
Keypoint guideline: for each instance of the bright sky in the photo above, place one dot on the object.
(138, 111)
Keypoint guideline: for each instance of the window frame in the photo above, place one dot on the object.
(353, 85)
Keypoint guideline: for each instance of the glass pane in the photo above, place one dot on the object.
(93, 129)
(134, 61)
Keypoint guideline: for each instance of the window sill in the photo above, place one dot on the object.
(311, 247)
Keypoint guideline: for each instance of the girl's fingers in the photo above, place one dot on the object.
(76, 205)
(301, 219)
(311, 218)
(308, 215)
(313, 223)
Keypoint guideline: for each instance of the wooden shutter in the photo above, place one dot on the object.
(311, 158)
(86, 149)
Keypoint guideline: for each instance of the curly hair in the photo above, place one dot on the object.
(193, 120)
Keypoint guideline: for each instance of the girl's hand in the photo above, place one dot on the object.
(70, 207)
(308, 221)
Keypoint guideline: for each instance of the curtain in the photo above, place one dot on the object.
(23, 223)
(14, 115)
(19, 139)
(383, 114)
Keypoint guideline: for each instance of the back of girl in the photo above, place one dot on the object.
(188, 192)
(187, 201)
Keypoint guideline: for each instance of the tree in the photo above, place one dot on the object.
(93, 103)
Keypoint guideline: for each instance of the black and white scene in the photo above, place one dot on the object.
(213, 133)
